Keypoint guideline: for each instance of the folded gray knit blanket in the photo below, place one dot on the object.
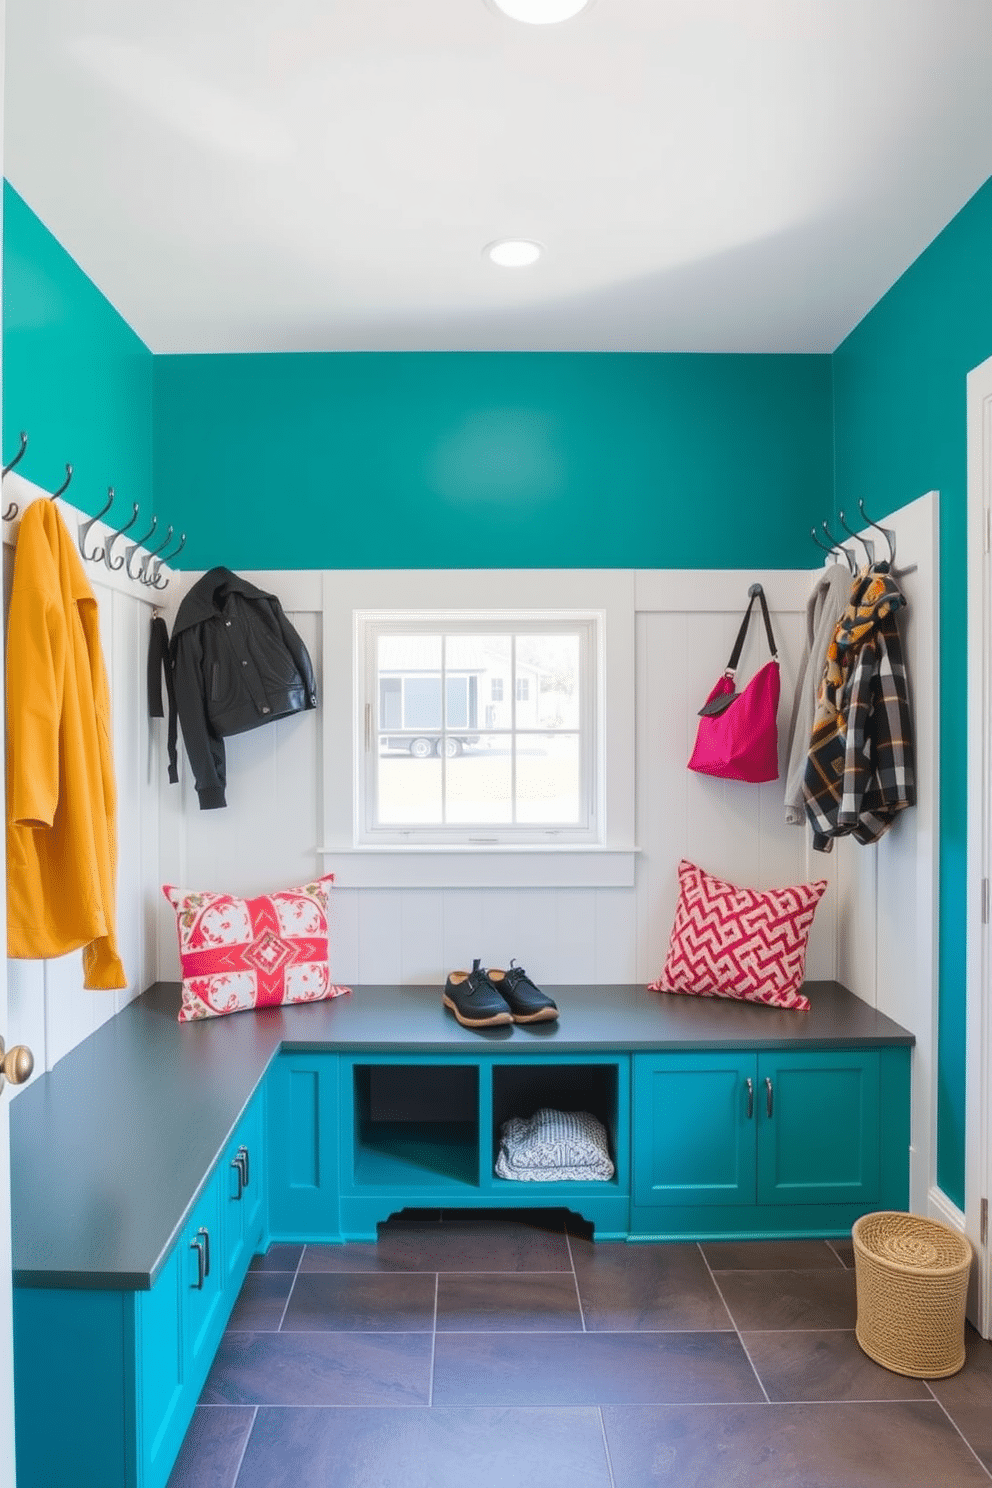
(552, 1146)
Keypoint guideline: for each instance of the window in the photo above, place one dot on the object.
(478, 730)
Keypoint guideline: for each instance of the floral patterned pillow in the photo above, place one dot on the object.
(238, 954)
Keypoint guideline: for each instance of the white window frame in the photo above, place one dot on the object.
(606, 863)
(371, 625)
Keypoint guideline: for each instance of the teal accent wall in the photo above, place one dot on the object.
(493, 460)
(76, 378)
(900, 420)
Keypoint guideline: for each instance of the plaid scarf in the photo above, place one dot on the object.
(860, 772)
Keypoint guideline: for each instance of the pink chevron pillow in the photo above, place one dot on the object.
(748, 944)
(252, 953)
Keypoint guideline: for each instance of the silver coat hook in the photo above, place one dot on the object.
(84, 529)
(139, 544)
(108, 545)
(836, 547)
(18, 457)
(11, 511)
(865, 542)
(64, 486)
(887, 533)
(153, 553)
(161, 563)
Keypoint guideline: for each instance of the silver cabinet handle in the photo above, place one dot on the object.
(750, 1097)
(242, 1157)
(206, 1249)
(197, 1244)
(769, 1095)
(236, 1165)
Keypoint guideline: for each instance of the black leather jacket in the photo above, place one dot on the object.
(237, 663)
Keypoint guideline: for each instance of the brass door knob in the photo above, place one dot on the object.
(16, 1064)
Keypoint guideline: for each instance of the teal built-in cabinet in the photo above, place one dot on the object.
(157, 1158)
(745, 1143)
(121, 1369)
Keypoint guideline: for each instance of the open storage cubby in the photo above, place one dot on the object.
(416, 1125)
(520, 1089)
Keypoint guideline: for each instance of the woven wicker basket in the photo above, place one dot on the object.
(912, 1282)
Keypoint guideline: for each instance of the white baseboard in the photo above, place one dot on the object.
(939, 1206)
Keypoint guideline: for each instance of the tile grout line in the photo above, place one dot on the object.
(575, 1282)
(244, 1449)
(843, 1263)
(798, 1330)
(305, 1405)
(606, 1447)
(740, 1338)
(292, 1287)
(430, 1378)
(961, 1434)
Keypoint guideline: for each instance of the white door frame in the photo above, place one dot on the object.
(978, 1076)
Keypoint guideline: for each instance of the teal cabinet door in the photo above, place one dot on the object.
(302, 1126)
(162, 1410)
(74, 1390)
(252, 1139)
(818, 1127)
(694, 1129)
(242, 1172)
(202, 1272)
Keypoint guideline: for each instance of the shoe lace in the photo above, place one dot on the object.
(477, 978)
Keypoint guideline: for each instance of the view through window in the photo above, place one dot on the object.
(479, 727)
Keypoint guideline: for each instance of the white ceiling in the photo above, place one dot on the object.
(706, 175)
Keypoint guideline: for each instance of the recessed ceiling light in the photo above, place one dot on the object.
(540, 12)
(513, 253)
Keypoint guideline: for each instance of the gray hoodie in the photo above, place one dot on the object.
(825, 606)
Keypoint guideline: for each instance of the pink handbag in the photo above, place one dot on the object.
(737, 737)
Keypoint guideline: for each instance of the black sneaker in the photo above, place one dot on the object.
(474, 1000)
(527, 1003)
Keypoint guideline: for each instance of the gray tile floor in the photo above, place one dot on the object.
(514, 1352)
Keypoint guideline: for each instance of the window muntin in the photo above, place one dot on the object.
(479, 730)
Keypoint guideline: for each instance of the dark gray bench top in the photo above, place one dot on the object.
(111, 1148)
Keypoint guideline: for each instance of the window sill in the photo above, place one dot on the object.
(493, 866)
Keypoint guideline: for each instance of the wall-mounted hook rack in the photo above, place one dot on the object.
(149, 566)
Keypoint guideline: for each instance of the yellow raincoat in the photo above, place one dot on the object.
(61, 799)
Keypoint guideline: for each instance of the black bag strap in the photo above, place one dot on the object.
(755, 592)
(160, 661)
